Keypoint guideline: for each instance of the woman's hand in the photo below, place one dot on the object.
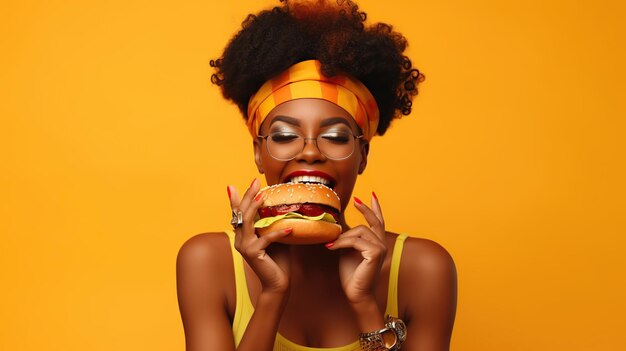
(359, 267)
(271, 265)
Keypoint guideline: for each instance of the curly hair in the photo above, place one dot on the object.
(333, 33)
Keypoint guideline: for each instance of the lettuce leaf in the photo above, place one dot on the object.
(266, 222)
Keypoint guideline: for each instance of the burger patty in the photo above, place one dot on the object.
(305, 209)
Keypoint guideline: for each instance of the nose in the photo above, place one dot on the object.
(310, 152)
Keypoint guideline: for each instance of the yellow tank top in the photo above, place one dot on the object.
(244, 308)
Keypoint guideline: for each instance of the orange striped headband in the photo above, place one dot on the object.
(305, 80)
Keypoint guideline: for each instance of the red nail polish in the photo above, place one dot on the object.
(228, 189)
(358, 201)
(258, 196)
(329, 245)
(253, 180)
(374, 195)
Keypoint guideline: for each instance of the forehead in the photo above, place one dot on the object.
(309, 113)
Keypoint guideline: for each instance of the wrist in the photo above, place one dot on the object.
(368, 315)
(278, 294)
(275, 289)
(274, 294)
(389, 338)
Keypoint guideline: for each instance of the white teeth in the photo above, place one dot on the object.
(310, 179)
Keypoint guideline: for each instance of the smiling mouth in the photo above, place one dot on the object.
(311, 180)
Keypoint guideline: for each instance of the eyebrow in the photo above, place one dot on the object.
(334, 120)
(286, 119)
(296, 122)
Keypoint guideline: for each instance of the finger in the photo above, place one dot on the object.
(376, 208)
(248, 196)
(249, 206)
(250, 212)
(233, 197)
(361, 231)
(246, 231)
(371, 218)
(368, 249)
(263, 242)
(249, 216)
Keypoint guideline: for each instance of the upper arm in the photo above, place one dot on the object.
(429, 290)
(200, 281)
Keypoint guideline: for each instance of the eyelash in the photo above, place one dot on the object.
(291, 131)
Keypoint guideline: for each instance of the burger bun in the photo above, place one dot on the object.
(304, 231)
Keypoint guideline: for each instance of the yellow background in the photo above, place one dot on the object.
(115, 149)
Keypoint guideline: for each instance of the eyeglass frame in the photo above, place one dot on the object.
(304, 145)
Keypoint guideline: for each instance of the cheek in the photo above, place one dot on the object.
(349, 173)
(272, 168)
(351, 165)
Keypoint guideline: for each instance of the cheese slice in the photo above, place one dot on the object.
(267, 221)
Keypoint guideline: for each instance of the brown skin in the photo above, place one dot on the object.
(313, 295)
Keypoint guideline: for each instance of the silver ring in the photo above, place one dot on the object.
(237, 219)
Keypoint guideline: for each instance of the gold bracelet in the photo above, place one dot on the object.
(374, 341)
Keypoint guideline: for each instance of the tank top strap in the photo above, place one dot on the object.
(243, 308)
(392, 292)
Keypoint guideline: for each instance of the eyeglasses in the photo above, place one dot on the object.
(285, 145)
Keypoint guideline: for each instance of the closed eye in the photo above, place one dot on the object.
(283, 138)
(338, 138)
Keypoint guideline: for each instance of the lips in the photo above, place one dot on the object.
(309, 176)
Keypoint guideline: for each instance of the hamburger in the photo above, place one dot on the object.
(311, 210)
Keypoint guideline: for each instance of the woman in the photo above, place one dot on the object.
(307, 72)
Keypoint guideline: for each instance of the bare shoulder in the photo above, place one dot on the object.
(428, 279)
(423, 255)
(203, 248)
(206, 291)
(202, 258)
(427, 257)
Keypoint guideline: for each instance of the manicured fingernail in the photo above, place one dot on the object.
(374, 195)
(228, 189)
(358, 201)
(288, 230)
(258, 196)
(329, 245)
(253, 180)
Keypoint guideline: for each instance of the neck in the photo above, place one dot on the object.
(313, 260)
(316, 260)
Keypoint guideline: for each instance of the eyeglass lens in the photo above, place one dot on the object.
(333, 145)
